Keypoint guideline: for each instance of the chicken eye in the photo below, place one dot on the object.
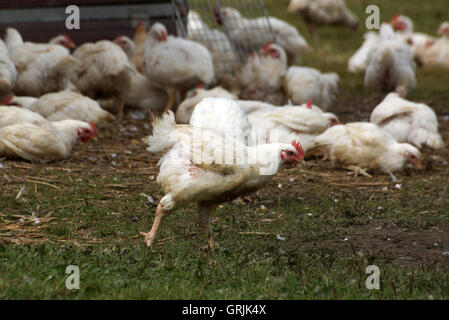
(290, 153)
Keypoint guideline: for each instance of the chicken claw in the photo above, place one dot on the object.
(357, 170)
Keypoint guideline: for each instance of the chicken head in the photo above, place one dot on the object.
(87, 133)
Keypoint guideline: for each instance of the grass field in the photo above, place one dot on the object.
(309, 235)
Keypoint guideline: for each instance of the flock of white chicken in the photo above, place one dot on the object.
(228, 140)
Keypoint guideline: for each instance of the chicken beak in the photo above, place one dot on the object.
(95, 139)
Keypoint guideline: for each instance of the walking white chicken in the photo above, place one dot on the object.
(391, 66)
(304, 83)
(25, 134)
(175, 64)
(244, 31)
(103, 72)
(8, 72)
(185, 109)
(195, 169)
(319, 12)
(407, 121)
(41, 67)
(263, 75)
(361, 145)
(65, 105)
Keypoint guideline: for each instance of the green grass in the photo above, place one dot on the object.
(263, 271)
(332, 232)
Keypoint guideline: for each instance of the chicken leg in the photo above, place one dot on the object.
(171, 100)
(121, 109)
(150, 237)
(204, 210)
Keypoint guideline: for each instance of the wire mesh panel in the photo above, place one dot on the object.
(230, 29)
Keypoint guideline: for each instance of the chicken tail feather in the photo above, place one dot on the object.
(164, 133)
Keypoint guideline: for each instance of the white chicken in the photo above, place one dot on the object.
(103, 73)
(216, 41)
(319, 12)
(282, 125)
(359, 60)
(195, 169)
(257, 110)
(175, 64)
(437, 55)
(185, 109)
(418, 41)
(244, 31)
(407, 121)
(224, 116)
(290, 123)
(362, 145)
(303, 121)
(14, 115)
(29, 136)
(391, 66)
(41, 67)
(128, 47)
(263, 75)
(142, 94)
(8, 72)
(304, 83)
(65, 105)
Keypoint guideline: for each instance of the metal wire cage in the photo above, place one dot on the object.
(230, 38)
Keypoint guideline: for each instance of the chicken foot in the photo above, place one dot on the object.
(150, 237)
(357, 170)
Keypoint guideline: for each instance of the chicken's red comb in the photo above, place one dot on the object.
(198, 87)
(8, 100)
(396, 17)
(68, 38)
(298, 147)
(94, 128)
(267, 45)
(309, 104)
